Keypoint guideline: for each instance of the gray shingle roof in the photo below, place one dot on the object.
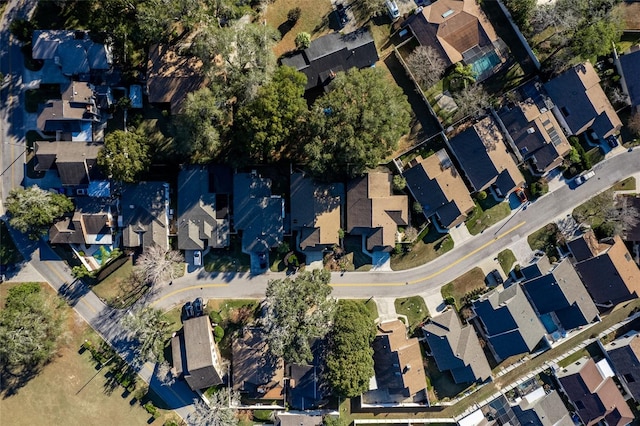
(144, 215)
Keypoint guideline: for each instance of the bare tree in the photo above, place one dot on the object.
(426, 65)
(472, 100)
(634, 123)
(150, 330)
(165, 374)
(219, 412)
(616, 96)
(158, 264)
(623, 214)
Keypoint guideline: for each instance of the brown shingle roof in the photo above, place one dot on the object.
(255, 370)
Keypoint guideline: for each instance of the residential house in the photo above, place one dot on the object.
(436, 184)
(91, 223)
(144, 215)
(332, 53)
(75, 162)
(542, 409)
(257, 214)
(73, 51)
(624, 355)
(594, 394)
(508, 322)
(459, 30)
(580, 102)
(256, 373)
(606, 268)
(288, 418)
(71, 117)
(398, 364)
(304, 390)
(374, 212)
(316, 212)
(195, 354)
(456, 348)
(532, 130)
(203, 207)
(628, 66)
(172, 76)
(561, 300)
(485, 160)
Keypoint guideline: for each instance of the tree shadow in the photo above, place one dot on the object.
(284, 28)
(12, 382)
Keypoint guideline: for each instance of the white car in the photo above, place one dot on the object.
(584, 177)
(197, 258)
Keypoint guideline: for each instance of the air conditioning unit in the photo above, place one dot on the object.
(81, 191)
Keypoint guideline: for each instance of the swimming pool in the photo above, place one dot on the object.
(485, 63)
(102, 255)
(548, 323)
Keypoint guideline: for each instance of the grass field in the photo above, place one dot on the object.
(629, 184)
(507, 259)
(544, 239)
(117, 289)
(593, 210)
(314, 20)
(8, 252)
(69, 390)
(463, 284)
(482, 218)
(432, 245)
(414, 308)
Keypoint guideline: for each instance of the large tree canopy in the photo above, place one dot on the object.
(150, 330)
(350, 360)
(125, 156)
(357, 124)
(33, 210)
(30, 328)
(298, 310)
(199, 126)
(268, 126)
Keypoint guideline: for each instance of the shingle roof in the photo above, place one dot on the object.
(561, 291)
(144, 215)
(201, 359)
(456, 348)
(511, 324)
(581, 101)
(549, 410)
(630, 64)
(436, 184)
(75, 161)
(373, 210)
(199, 207)
(332, 53)
(256, 372)
(316, 211)
(74, 51)
(624, 354)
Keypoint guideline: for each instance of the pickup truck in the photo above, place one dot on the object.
(584, 177)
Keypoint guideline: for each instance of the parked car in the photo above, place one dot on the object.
(522, 196)
(392, 9)
(197, 258)
(341, 11)
(198, 306)
(188, 310)
(612, 141)
(584, 177)
(495, 276)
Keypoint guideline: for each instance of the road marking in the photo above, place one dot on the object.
(88, 306)
(193, 287)
(434, 274)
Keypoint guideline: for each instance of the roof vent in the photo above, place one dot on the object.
(531, 130)
(447, 13)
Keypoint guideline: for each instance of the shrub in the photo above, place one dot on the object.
(218, 333)
(539, 188)
(215, 317)
(293, 15)
(482, 195)
(151, 409)
(417, 207)
(397, 249)
(303, 40)
(262, 415)
(450, 300)
(399, 182)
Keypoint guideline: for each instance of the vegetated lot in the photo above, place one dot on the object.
(227, 260)
(545, 239)
(414, 308)
(592, 212)
(69, 390)
(442, 385)
(356, 260)
(231, 315)
(464, 285)
(485, 214)
(592, 350)
(314, 19)
(118, 290)
(429, 245)
(629, 184)
(507, 259)
(8, 251)
(34, 97)
(371, 307)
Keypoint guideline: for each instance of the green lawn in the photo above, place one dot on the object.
(506, 259)
(371, 307)
(414, 308)
(544, 239)
(34, 97)
(229, 259)
(481, 219)
(593, 210)
(117, 291)
(8, 251)
(427, 248)
(592, 350)
(629, 184)
(464, 284)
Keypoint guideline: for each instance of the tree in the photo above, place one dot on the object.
(350, 359)
(125, 156)
(472, 100)
(268, 126)
(293, 15)
(157, 19)
(522, 11)
(150, 330)
(463, 75)
(199, 125)
(597, 37)
(399, 182)
(239, 58)
(370, 8)
(33, 210)
(298, 310)
(410, 233)
(634, 124)
(426, 65)
(158, 265)
(164, 374)
(31, 325)
(357, 124)
(303, 40)
(219, 412)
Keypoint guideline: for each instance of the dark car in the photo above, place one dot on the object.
(494, 277)
(522, 196)
(341, 11)
(612, 141)
(188, 310)
(198, 306)
(262, 257)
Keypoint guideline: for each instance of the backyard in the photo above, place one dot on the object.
(486, 213)
(464, 285)
(414, 308)
(429, 245)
